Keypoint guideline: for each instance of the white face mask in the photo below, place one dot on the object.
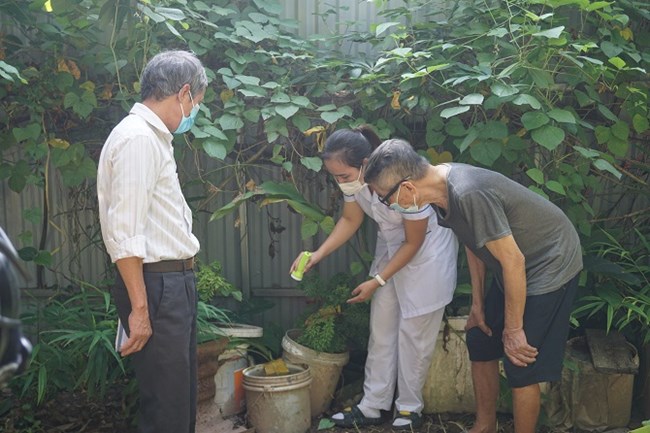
(351, 188)
(411, 209)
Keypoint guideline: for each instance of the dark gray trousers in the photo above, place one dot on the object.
(166, 367)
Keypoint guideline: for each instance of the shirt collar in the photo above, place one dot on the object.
(151, 118)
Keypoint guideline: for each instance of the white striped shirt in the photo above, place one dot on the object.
(142, 210)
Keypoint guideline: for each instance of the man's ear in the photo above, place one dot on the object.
(184, 92)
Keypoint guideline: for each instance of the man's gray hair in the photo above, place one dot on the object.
(168, 71)
(393, 161)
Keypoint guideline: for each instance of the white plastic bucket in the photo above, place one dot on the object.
(229, 395)
(278, 404)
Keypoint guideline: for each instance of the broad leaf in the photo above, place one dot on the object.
(486, 151)
(472, 99)
(536, 175)
(548, 136)
(381, 28)
(525, 99)
(503, 90)
(601, 164)
(215, 149)
(640, 123)
(560, 115)
(553, 33)
(454, 111)
(534, 119)
(556, 187)
(312, 162)
(287, 110)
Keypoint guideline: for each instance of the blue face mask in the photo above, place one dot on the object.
(187, 122)
(411, 209)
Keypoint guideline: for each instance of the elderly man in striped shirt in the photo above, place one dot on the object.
(147, 229)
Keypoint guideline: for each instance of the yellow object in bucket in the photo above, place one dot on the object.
(276, 367)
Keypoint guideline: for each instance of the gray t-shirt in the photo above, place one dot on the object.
(485, 206)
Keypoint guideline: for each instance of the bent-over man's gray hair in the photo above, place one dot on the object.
(168, 71)
(392, 161)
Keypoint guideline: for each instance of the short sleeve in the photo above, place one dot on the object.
(424, 213)
(485, 214)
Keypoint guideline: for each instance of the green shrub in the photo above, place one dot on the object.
(333, 325)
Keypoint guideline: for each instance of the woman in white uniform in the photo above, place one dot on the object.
(413, 279)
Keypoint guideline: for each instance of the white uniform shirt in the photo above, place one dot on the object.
(428, 281)
(142, 210)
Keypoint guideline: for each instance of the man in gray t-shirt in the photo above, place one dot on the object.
(533, 252)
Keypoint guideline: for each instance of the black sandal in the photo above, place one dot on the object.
(414, 418)
(353, 417)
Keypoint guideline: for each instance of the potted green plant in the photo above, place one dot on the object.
(323, 337)
(212, 341)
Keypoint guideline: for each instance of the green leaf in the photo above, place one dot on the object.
(468, 140)
(301, 122)
(301, 101)
(327, 224)
(603, 134)
(610, 50)
(229, 122)
(355, 269)
(326, 423)
(215, 149)
(617, 146)
(171, 13)
(31, 131)
(472, 99)
(601, 164)
(536, 175)
(381, 28)
(499, 32)
(534, 119)
(332, 116)
(308, 228)
(287, 110)
(556, 187)
(541, 78)
(455, 128)
(548, 136)
(453, 111)
(607, 113)
(486, 151)
(621, 130)
(494, 129)
(640, 123)
(503, 90)
(617, 62)
(553, 33)
(312, 162)
(587, 153)
(255, 92)
(247, 79)
(525, 99)
(563, 116)
(280, 98)
(43, 258)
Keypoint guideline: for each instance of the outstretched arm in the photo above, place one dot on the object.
(344, 229)
(414, 233)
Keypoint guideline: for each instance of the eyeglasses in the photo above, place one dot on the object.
(392, 191)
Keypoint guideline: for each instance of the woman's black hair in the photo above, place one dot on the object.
(351, 146)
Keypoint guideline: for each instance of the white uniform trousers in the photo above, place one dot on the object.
(399, 351)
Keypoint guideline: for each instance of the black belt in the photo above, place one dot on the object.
(169, 266)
